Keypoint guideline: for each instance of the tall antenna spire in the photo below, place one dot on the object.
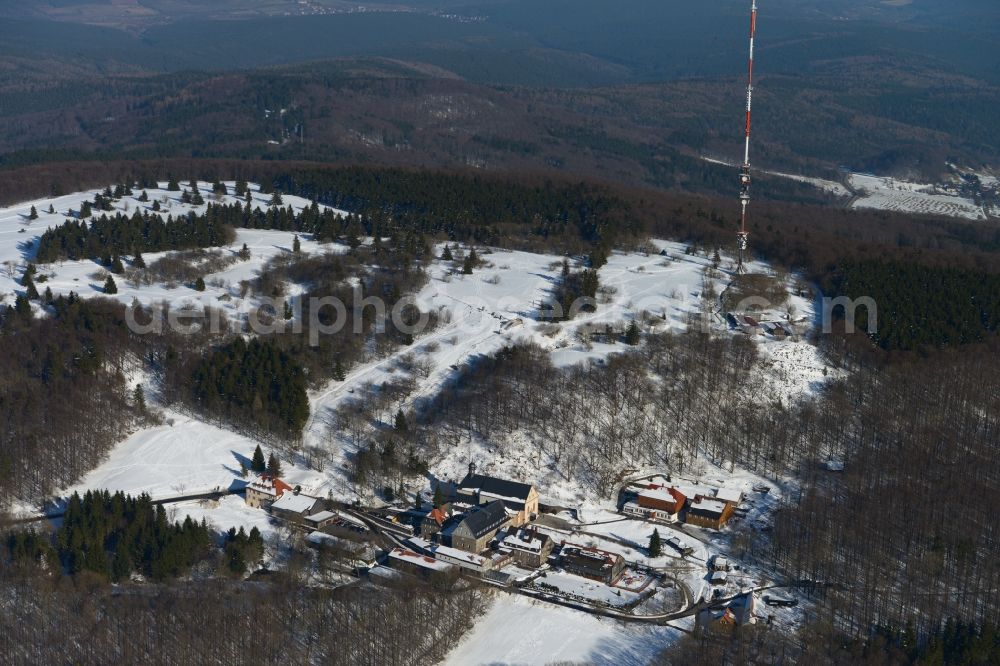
(742, 235)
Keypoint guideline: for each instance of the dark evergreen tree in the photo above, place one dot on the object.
(273, 466)
(116, 266)
(199, 284)
(446, 254)
(276, 199)
(85, 210)
(632, 333)
(244, 253)
(52, 209)
(110, 287)
(400, 423)
(296, 245)
(33, 215)
(22, 307)
(156, 206)
(470, 262)
(29, 288)
(144, 197)
(139, 397)
(655, 547)
(438, 496)
(138, 261)
(258, 464)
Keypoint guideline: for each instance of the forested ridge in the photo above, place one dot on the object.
(922, 306)
(470, 208)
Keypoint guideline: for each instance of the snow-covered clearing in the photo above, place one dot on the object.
(591, 590)
(519, 630)
(833, 187)
(885, 193)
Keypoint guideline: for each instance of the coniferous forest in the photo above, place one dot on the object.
(255, 382)
(114, 536)
(921, 307)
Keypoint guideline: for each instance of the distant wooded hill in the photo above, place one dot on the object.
(632, 93)
(388, 112)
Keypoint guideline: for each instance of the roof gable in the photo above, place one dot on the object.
(481, 520)
(497, 487)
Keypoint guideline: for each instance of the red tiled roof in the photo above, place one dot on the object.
(279, 486)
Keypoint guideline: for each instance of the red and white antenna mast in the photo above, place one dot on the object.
(742, 235)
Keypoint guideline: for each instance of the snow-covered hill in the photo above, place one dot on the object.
(478, 314)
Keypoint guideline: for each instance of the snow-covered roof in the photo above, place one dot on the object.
(460, 555)
(503, 489)
(268, 485)
(383, 572)
(263, 488)
(294, 503)
(321, 516)
(526, 539)
(731, 495)
(351, 519)
(360, 551)
(419, 544)
(657, 493)
(509, 502)
(410, 557)
(695, 490)
(708, 505)
(534, 545)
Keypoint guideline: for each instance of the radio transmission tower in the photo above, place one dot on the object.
(742, 235)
